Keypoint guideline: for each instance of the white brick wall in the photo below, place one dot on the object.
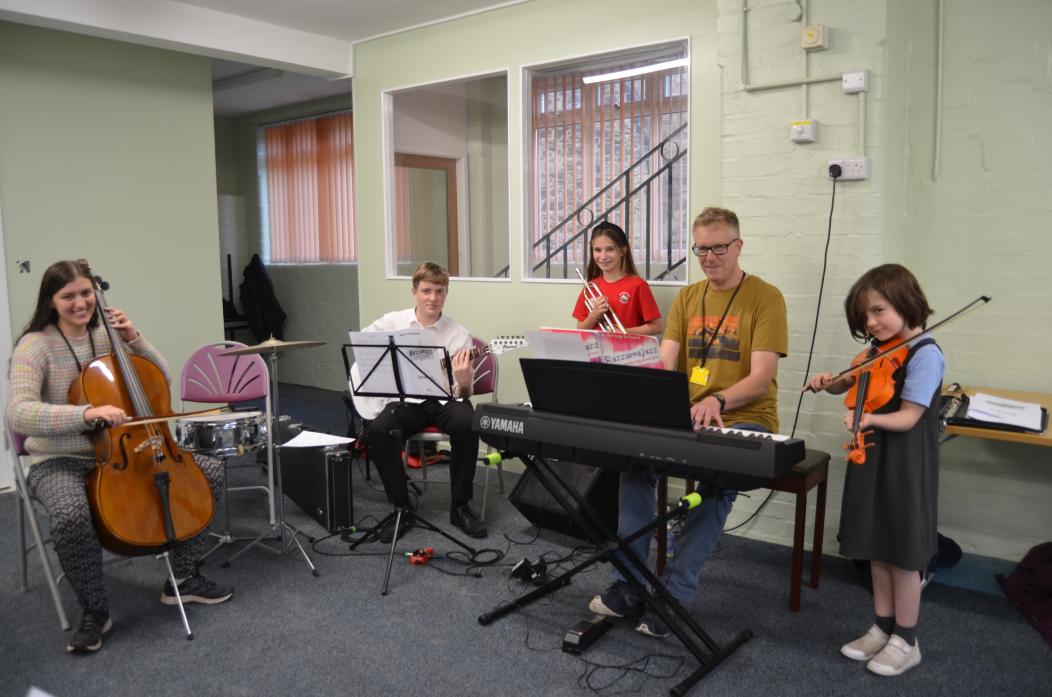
(980, 228)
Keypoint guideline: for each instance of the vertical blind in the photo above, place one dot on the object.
(310, 190)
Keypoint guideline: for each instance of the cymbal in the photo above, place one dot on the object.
(271, 345)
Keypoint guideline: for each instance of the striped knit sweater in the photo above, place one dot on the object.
(42, 369)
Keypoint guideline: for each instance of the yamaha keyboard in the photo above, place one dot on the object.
(724, 458)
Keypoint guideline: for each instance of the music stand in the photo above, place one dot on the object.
(413, 373)
(270, 348)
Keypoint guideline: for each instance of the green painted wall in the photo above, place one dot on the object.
(507, 40)
(106, 153)
(971, 204)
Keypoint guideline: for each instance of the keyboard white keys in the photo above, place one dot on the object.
(746, 433)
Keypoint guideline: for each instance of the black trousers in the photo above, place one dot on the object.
(453, 418)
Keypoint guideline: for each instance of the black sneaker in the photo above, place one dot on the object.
(196, 589)
(619, 600)
(388, 531)
(464, 518)
(88, 637)
(652, 625)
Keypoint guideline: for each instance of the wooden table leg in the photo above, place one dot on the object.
(820, 524)
(798, 548)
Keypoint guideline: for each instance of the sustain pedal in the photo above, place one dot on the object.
(585, 633)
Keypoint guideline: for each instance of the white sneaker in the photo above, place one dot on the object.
(896, 657)
(866, 646)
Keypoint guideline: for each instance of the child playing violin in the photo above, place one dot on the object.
(624, 292)
(888, 515)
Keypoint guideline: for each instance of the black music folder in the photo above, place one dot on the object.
(609, 392)
(953, 409)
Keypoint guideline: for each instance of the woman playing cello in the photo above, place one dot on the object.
(62, 337)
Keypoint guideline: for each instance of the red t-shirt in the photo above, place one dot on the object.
(629, 297)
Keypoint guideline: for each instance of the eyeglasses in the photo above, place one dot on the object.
(717, 249)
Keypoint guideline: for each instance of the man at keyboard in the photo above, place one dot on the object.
(727, 334)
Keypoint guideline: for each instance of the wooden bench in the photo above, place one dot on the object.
(811, 472)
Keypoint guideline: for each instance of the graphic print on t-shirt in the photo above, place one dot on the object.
(699, 333)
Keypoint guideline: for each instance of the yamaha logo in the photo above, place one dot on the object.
(514, 426)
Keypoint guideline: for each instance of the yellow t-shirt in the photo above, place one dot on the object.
(756, 321)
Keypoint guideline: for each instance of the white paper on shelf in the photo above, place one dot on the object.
(1001, 410)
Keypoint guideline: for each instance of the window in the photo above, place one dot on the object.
(610, 149)
(448, 177)
(307, 190)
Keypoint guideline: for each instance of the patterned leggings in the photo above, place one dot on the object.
(60, 484)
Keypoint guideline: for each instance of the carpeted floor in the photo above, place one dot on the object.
(287, 632)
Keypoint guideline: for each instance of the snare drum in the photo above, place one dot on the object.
(222, 434)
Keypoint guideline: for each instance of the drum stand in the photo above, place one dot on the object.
(225, 538)
(288, 532)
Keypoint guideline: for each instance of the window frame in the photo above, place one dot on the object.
(568, 64)
(388, 166)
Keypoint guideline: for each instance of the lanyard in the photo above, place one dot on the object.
(716, 331)
(74, 353)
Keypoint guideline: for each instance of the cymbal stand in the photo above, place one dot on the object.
(289, 533)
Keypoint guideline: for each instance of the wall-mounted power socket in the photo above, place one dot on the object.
(850, 168)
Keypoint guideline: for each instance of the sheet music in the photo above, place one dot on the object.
(1001, 410)
(597, 346)
(313, 439)
(370, 347)
(566, 346)
(420, 367)
(422, 371)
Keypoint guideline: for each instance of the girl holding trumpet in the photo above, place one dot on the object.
(615, 297)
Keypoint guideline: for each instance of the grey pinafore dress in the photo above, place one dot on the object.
(890, 503)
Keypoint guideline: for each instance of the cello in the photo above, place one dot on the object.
(146, 494)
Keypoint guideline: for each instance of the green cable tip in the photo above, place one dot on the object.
(693, 499)
(493, 459)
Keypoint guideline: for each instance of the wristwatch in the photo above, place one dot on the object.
(721, 399)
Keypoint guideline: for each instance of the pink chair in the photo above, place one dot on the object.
(27, 514)
(484, 371)
(212, 378)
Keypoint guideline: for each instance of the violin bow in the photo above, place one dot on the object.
(973, 305)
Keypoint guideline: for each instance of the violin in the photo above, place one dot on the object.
(873, 389)
(146, 494)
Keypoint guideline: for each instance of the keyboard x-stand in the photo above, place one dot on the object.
(704, 648)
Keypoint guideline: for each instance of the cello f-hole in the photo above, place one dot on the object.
(123, 464)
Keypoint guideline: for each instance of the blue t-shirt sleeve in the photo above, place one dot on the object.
(923, 375)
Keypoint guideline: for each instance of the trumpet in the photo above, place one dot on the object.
(609, 322)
